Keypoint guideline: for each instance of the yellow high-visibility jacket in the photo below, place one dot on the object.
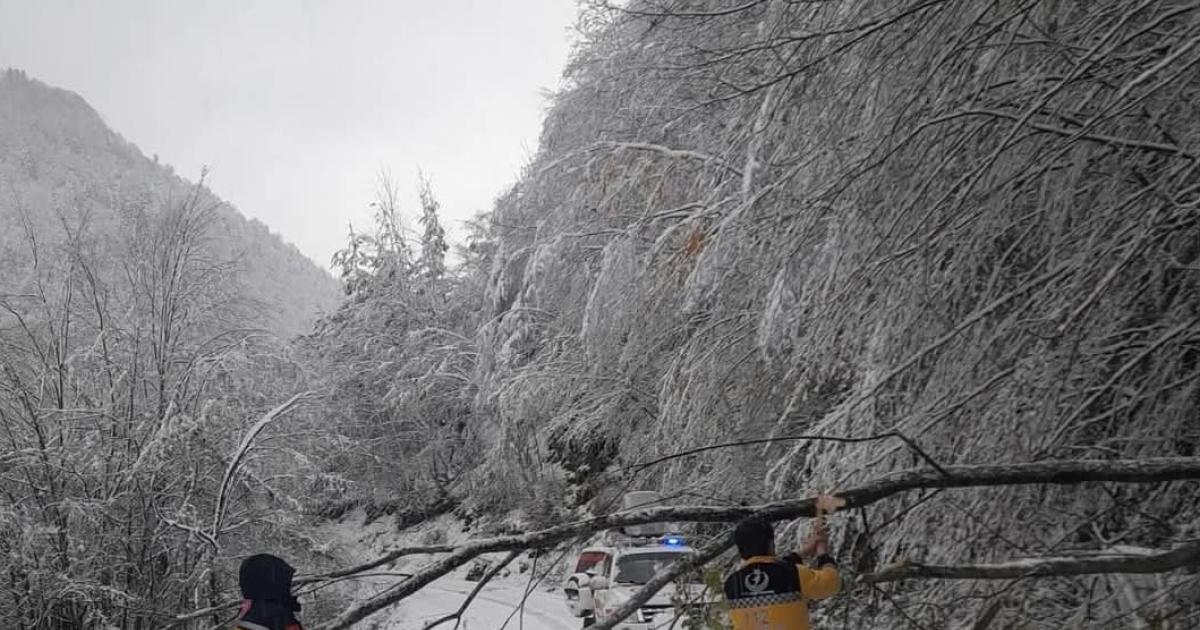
(766, 593)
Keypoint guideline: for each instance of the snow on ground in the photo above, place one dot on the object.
(509, 602)
(497, 606)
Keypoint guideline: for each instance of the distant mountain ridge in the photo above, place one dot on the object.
(56, 152)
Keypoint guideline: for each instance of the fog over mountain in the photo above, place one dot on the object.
(62, 169)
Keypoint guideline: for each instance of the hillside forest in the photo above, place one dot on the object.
(940, 258)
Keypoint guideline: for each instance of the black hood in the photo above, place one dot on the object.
(267, 578)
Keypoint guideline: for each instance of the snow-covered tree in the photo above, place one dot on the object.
(433, 238)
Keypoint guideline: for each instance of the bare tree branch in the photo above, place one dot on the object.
(1144, 145)
(391, 556)
(683, 14)
(668, 152)
(794, 438)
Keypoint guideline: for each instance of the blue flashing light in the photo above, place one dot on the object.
(673, 541)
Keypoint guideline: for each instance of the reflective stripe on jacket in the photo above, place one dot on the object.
(766, 593)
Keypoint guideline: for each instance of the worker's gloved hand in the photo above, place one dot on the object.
(817, 542)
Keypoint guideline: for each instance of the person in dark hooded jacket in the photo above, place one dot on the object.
(266, 583)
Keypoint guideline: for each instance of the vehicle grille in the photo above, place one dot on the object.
(655, 613)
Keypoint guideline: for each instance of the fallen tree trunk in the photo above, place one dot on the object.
(1049, 472)
(1181, 557)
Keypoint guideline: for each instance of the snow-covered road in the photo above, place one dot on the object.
(498, 606)
(509, 602)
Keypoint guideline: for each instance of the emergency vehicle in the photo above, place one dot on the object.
(607, 574)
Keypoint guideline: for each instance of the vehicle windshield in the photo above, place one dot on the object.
(639, 568)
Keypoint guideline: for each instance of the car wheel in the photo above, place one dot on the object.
(588, 622)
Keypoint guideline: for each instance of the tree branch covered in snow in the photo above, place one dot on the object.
(1183, 556)
(239, 455)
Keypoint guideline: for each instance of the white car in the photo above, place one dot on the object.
(604, 577)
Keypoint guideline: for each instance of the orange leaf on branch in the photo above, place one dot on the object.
(694, 242)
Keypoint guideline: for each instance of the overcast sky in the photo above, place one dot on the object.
(295, 105)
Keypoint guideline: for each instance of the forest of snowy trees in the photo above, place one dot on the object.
(141, 324)
(765, 249)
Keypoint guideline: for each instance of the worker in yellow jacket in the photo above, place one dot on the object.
(767, 592)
